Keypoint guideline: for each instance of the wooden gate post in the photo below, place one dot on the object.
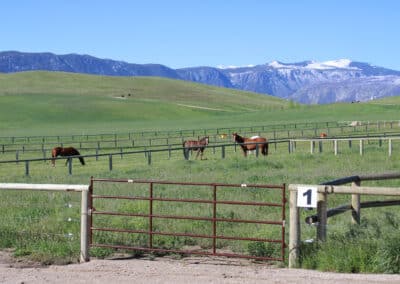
(355, 205)
(322, 216)
(294, 233)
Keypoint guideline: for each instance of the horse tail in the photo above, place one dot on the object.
(265, 149)
(76, 152)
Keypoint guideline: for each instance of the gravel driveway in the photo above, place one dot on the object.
(178, 271)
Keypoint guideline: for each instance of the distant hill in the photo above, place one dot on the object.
(306, 82)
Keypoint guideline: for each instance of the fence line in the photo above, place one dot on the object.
(205, 132)
(148, 151)
(313, 142)
(210, 131)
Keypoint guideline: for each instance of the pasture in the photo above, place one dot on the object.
(45, 226)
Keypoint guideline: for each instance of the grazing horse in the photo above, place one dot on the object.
(65, 152)
(250, 144)
(196, 145)
(323, 135)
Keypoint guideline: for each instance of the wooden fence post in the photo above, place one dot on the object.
(335, 143)
(322, 216)
(355, 206)
(294, 235)
(390, 147)
(149, 158)
(70, 166)
(361, 147)
(27, 168)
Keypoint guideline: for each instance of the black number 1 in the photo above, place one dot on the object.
(308, 194)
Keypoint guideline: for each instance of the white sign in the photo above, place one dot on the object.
(307, 196)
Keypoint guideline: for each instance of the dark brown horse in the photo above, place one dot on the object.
(250, 144)
(65, 152)
(195, 145)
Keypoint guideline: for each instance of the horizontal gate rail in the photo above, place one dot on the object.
(188, 200)
(213, 220)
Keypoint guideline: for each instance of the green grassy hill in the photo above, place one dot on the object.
(47, 103)
(56, 102)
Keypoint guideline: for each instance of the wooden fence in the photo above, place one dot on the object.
(320, 194)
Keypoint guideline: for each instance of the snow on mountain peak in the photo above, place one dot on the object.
(234, 66)
(331, 64)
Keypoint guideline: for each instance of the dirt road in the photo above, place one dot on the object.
(191, 270)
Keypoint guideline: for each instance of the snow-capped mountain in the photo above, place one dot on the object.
(307, 82)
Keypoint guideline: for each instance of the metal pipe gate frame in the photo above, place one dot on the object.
(213, 219)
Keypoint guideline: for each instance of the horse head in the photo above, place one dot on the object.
(55, 152)
(237, 138)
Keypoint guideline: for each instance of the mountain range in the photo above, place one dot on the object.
(306, 82)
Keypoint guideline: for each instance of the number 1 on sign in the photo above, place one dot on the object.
(307, 196)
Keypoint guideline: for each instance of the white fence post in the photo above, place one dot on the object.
(84, 189)
(294, 235)
(84, 255)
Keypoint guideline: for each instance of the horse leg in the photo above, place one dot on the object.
(198, 152)
(265, 150)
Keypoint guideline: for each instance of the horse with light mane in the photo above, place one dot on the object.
(195, 145)
(250, 144)
(65, 152)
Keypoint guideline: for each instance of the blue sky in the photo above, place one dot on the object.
(187, 33)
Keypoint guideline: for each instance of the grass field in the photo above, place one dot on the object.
(45, 226)
(45, 103)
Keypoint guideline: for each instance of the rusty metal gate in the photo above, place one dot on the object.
(230, 220)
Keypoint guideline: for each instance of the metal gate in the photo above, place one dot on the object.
(230, 220)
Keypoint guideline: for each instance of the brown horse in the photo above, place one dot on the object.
(65, 152)
(195, 145)
(250, 144)
(323, 135)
